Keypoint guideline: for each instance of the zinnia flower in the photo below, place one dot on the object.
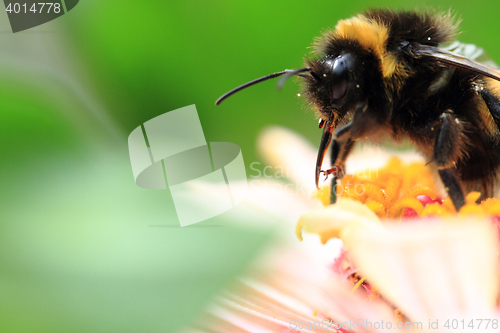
(400, 265)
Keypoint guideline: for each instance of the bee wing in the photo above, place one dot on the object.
(470, 51)
(455, 60)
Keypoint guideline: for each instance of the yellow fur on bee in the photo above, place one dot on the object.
(371, 35)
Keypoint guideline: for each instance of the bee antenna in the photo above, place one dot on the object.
(287, 72)
(282, 81)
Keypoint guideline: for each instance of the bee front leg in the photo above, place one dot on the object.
(447, 147)
(338, 157)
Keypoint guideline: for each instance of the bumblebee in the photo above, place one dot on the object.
(387, 73)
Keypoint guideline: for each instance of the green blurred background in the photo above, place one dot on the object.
(81, 248)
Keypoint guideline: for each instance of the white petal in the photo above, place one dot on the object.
(287, 289)
(372, 158)
(268, 201)
(431, 270)
(283, 148)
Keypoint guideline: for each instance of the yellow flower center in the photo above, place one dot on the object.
(391, 190)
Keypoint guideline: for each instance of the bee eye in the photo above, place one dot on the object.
(339, 77)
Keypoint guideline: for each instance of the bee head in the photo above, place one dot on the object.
(330, 87)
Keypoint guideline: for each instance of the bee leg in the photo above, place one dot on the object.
(444, 149)
(338, 158)
(339, 135)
